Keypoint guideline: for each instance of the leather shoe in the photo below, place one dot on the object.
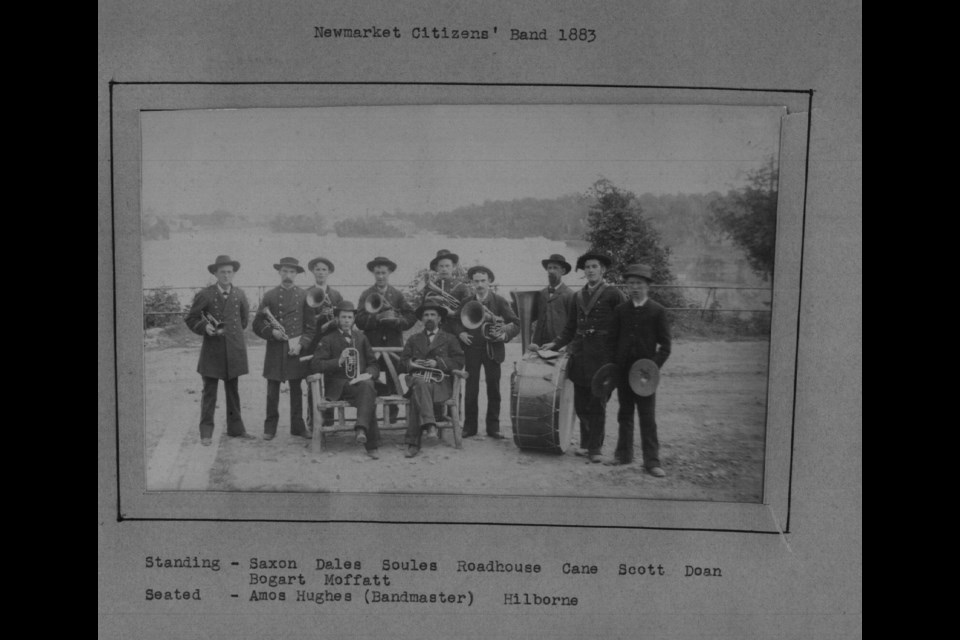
(497, 436)
(617, 461)
(269, 436)
(596, 458)
(411, 451)
(206, 441)
(657, 472)
(583, 453)
(374, 454)
(361, 437)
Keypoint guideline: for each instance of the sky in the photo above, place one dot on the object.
(354, 161)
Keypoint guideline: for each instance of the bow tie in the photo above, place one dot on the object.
(551, 290)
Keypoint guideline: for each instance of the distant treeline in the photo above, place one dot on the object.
(680, 218)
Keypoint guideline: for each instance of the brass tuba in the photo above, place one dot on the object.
(351, 363)
(523, 301)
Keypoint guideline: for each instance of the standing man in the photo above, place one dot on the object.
(586, 332)
(552, 305)
(383, 323)
(223, 355)
(344, 379)
(430, 349)
(445, 265)
(485, 351)
(639, 330)
(287, 324)
(322, 268)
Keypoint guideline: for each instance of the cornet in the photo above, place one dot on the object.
(377, 305)
(429, 374)
(351, 362)
(275, 324)
(218, 326)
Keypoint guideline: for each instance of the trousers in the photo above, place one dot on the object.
(363, 396)
(208, 405)
(422, 409)
(646, 413)
(297, 426)
(590, 411)
(475, 359)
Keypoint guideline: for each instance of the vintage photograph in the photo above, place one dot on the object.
(508, 300)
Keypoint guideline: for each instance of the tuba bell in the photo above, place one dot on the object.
(523, 301)
(377, 305)
(474, 315)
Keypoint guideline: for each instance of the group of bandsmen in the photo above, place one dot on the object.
(316, 331)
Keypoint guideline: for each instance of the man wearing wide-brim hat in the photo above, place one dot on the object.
(288, 324)
(322, 268)
(431, 350)
(383, 314)
(331, 360)
(445, 287)
(552, 305)
(639, 329)
(223, 355)
(586, 332)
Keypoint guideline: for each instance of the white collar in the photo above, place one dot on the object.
(637, 305)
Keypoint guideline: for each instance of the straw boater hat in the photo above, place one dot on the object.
(430, 304)
(315, 261)
(478, 268)
(444, 254)
(289, 262)
(380, 260)
(345, 305)
(638, 271)
(558, 259)
(604, 259)
(222, 260)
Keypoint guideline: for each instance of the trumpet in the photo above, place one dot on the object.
(444, 298)
(275, 324)
(476, 316)
(429, 374)
(377, 305)
(218, 326)
(351, 362)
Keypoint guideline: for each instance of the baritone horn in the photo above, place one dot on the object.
(351, 362)
(218, 326)
(474, 315)
(377, 305)
(443, 298)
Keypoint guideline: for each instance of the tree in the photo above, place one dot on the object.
(616, 226)
(749, 217)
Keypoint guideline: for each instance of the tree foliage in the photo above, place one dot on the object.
(161, 308)
(749, 217)
(616, 226)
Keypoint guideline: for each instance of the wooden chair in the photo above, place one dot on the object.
(389, 355)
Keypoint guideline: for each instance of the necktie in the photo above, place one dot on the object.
(348, 338)
(430, 335)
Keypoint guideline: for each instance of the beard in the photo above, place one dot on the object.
(430, 325)
(553, 279)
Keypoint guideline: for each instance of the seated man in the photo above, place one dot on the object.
(429, 349)
(346, 378)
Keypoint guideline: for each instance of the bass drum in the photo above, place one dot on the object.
(541, 405)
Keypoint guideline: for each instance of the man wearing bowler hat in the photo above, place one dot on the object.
(220, 314)
(431, 349)
(586, 334)
(552, 305)
(287, 323)
(322, 268)
(383, 323)
(639, 329)
(330, 360)
(487, 352)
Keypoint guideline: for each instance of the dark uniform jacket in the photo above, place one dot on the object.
(587, 330)
(326, 360)
(385, 333)
(458, 290)
(499, 307)
(225, 356)
(289, 307)
(445, 349)
(550, 312)
(639, 332)
(321, 320)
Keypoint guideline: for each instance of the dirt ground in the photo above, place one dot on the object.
(710, 413)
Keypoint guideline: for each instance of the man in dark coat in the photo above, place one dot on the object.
(223, 355)
(432, 348)
(287, 323)
(639, 329)
(384, 328)
(322, 269)
(330, 360)
(488, 353)
(551, 307)
(445, 265)
(586, 332)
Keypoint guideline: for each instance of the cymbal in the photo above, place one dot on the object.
(644, 377)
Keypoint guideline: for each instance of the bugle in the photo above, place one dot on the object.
(351, 362)
(476, 316)
(377, 305)
(218, 326)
